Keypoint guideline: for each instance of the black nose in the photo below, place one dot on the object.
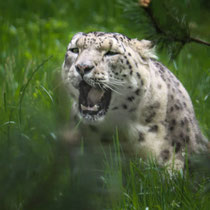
(83, 68)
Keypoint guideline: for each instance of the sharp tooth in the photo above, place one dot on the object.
(84, 107)
(94, 108)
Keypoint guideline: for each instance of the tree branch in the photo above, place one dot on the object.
(160, 31)
(153, 20)
(196, 40)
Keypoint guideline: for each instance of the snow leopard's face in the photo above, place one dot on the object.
(101, 72)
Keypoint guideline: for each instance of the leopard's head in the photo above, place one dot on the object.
(100, 70)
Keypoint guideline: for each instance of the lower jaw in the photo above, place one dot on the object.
(91, 119)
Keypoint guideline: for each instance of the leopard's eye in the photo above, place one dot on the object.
(74, 50)
(111, 53)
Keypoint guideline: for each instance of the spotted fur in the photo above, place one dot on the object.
(149, 105)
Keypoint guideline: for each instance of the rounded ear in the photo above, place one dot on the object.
(146, 43)
(77, 36)
(145, 48)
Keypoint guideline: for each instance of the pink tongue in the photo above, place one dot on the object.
(94, 96)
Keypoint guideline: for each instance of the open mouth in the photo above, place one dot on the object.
(93, 101)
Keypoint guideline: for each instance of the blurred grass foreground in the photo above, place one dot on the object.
(37, 170)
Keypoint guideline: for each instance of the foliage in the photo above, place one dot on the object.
(38, 168)
(166, 22)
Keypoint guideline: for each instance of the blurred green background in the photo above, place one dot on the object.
(36, 168)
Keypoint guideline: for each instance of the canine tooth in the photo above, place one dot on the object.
(84, 107)
(95, 108)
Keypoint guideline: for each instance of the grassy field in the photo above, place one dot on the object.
(36, 169)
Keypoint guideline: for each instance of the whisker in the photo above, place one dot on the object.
(117, 81)
(117, 87)
(112, 85)
(106, 85)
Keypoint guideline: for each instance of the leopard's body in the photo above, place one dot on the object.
(150, 107)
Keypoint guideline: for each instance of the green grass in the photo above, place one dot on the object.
(36, 169)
